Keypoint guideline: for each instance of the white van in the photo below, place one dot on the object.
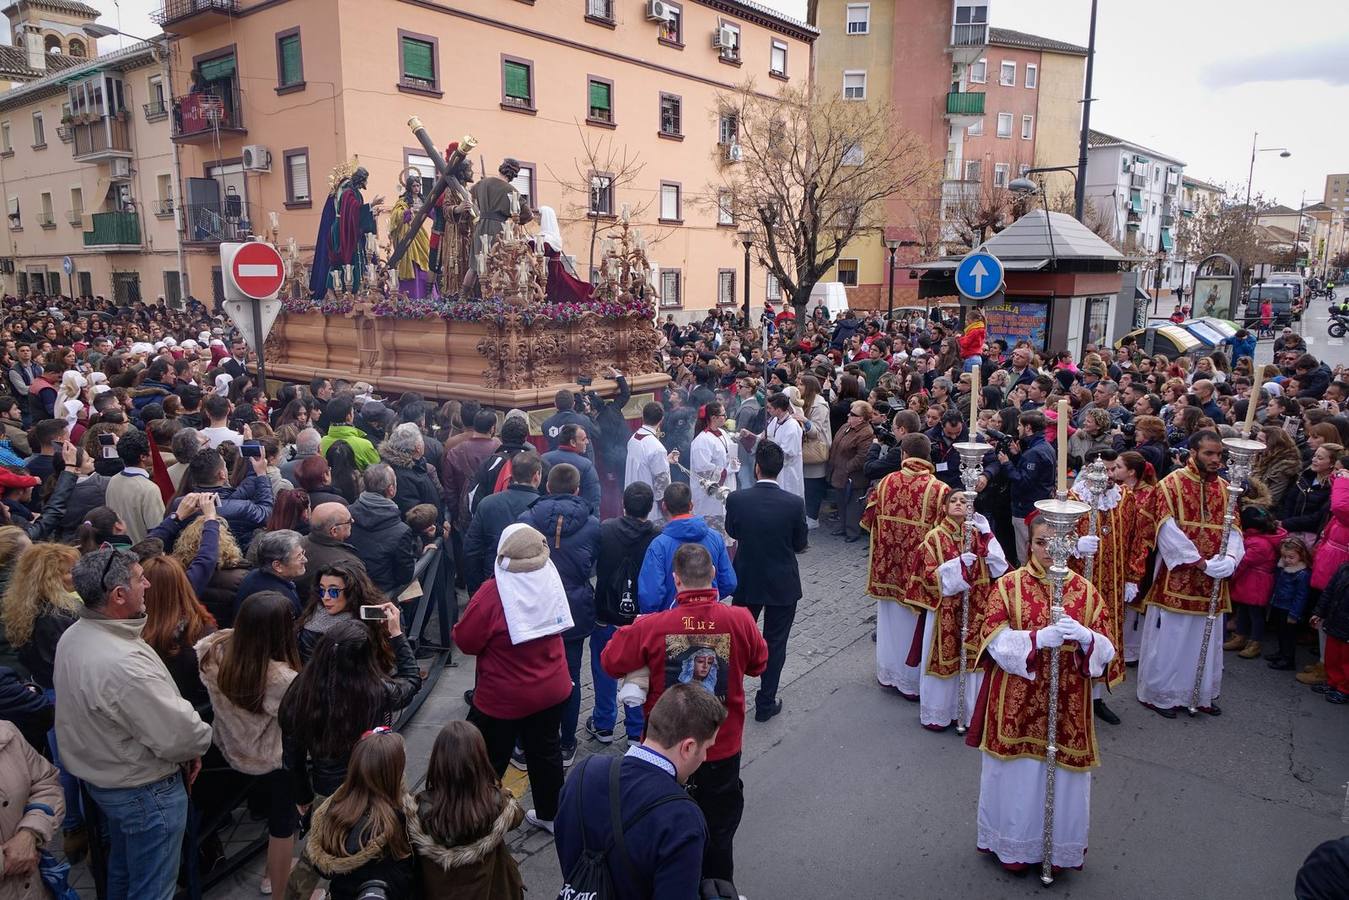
(834, 295)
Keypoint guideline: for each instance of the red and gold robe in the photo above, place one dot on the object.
(943, 543)
(903, 508)
(1108, 572)
(1197, 505)
(1140, 521)
(1011, 719)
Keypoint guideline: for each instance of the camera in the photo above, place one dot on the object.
(884, 435)
(1174, 437)
(1181, 455)
(374, 889)
(251, 451)
(585, 380)
(1002, 442)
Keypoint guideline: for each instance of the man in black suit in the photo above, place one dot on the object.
(770, 526)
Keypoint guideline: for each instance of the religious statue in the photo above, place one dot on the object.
(341, 250)
(498, 202)
(415, 265)
(452, 231)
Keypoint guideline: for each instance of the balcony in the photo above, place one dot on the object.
(156, 110)
(191, 16)
(163, 208)
(114, 232)
(1138, 181)
(964, 107)
(66, 133)
(202, 118)
(968, 42)
(101, 139)
(212, 223)
(1168, 220)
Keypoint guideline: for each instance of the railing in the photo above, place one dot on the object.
(155, 110)
(212, 223)
(76, 217)
(1138, 180)
(101, 136)
(965, 103)
(66, 133)
(114, 229)
(207, 113)
(1168, 220)
(600, 9)
(176, 10)
(163, 207)
(969, 35)
(46, 220)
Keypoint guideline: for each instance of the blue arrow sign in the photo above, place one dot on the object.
(979, 275)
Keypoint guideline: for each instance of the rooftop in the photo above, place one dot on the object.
(14, 63)
(65, 6)
(128, 57)
(1101, 139)
(1204, 185)
(1028, 238)
(764, 15)
(1006, 37)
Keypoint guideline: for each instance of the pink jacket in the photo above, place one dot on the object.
(1254, 579)
(1332, 550)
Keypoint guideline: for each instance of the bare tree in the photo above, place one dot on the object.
(810, 174)
(979, 214)
(1092, 215)
(603, 170)
(1221, 227)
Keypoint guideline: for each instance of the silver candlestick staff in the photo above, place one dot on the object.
(1062, 515)
(1097, 484)
(1241, 454)
(972, 455)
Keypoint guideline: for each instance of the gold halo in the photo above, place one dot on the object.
(402, 176)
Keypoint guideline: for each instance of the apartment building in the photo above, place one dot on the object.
(86, 171)
(268, 96)
(1336, 194)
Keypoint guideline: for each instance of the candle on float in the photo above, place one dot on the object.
(974, 399)
(1252, 402)
(1063, 447)
(274, 219)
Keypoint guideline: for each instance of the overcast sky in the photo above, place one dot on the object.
(1191, 78)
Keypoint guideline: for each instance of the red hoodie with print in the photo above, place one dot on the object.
(699, 640)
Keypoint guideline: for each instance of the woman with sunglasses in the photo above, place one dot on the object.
(340, 590)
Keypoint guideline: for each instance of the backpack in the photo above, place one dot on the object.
(589, 877)
(616, 603)
(488, 480)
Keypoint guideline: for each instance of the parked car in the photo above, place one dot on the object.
(1282, 297)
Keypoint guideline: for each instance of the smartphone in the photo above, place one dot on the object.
(251, 451)
(107, 440)
(373, 614)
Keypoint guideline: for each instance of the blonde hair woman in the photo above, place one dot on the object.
(221, 592)
(39, 605)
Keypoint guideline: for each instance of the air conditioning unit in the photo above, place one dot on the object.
(1128, 168)
(257, 158)
(734, 153)
(724, 38)
(120, 167)
(657, 11)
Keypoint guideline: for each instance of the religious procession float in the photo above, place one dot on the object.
(478, 308)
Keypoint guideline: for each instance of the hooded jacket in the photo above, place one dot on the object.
(365, 452)
(573, 536)
(655, 585)
(384, 542)
(476, 870)
(245, 509)
(361, 862)
(249, 741)
(484, 530)
(415, 483)
(33, 800)
(590, 479)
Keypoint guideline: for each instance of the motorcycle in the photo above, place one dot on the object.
(1338, 325)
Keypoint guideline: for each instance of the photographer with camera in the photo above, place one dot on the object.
(1031, 466)
(885, 456)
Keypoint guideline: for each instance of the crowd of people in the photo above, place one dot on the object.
(205, 582)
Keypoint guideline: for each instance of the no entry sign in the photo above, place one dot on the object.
(257, 270)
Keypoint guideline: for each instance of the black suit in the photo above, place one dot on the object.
(769, 526)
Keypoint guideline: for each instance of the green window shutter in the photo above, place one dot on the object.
(517, 81)
(291, 70)
(599, 95)
(418, 60)
(214, 69)
(1136, 200)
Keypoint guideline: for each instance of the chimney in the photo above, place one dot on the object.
(32, 43)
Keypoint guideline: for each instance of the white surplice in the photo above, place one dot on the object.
(709, 456)
(895, 625)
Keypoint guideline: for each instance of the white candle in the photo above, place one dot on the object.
(1253, 401)
(1063, 447)
(974, 398)
(274, 220)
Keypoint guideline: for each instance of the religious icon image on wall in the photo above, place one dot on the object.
(701, 659)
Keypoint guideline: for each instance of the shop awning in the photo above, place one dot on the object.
(215, 69)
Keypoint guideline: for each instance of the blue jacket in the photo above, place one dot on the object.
(655, 584)
(245, 509)
(1290, 591)
(1242, 347)
(1032, 474)
(590, 479)
(573, 536)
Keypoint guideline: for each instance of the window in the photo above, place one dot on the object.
(728, 128)
(297, 177)
(772, 287)
(417, 60)
(1023, 170)
(6, 145)
(976, 129)
(853, 155)
(854, 85)
(601, 195)
(725, 287)
(1027, 127)
(45, 217)
(290, 63)
(39, 131)
(524, 185)
(1032, 75)
(847, 272)
(600, 101)
(157, 105)
(669, 288)
(725, 208)
(777, 59)
(671, 115)
(15, 219)
(859, 18)
(730, 50)
(979, 72)
(670, 207)
(517, 83)
(600, 9)
(672, 29)
(1007, 75)
(973, 171)
(1000, 173)
(1004, 125)
(77, 206)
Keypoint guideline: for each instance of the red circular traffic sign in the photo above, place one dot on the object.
(258, 270)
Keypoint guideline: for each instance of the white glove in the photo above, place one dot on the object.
(1088, 545)
(631, 695)
(968, 559)
(979, 521)
(951, 578)
(1074, 630)
(1219, 566)
(1049, 638)
(1130, 592)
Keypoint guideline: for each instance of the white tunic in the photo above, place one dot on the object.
(647, 463)
(895, 625)
(709, 456)
(787, 435)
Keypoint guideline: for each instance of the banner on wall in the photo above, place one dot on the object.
(1019, 320)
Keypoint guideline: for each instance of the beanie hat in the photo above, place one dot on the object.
(522, 549)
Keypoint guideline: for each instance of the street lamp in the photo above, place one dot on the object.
(746, 236)
(1023, 187)
(1284, 153)
(891, 244)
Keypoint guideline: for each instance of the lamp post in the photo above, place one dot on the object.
(1157, 280)
(1080, 185)
(1284, 153)
(892, 245)
(746, 237)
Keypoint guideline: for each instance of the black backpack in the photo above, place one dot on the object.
(589, 877)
